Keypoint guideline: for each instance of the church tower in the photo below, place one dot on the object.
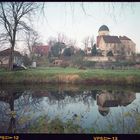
(103, 31)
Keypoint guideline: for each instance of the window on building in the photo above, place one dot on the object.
(110, 53)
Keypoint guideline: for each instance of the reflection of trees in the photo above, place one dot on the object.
(13, 100)
(3, 116)
(24, 101)
(27, 100)
(7, 97)
(62, 98)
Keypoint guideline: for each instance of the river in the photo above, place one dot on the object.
(95, 109)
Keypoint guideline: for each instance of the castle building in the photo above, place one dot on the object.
(114, 45)
(130, 46)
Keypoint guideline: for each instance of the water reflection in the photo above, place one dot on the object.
(20, 106)
(113, 99)
(8, 96)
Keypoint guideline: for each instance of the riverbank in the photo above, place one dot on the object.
(68, 75)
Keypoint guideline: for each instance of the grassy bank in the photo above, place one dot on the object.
(72, 76)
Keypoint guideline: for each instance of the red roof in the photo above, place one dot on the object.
(111, 39)
(124, 38)
(43, 50)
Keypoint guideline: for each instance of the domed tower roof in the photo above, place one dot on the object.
(103, 28)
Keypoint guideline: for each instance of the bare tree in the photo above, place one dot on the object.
(51, 41)
(92, 41)
(31, 39)
(62, 38)
(71, 42)
(13, 17)
(86, 42)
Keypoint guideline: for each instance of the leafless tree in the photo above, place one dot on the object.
(51, 41)
(88, 41)
(92, 41)
(13, 17)
(31, 39)
(71, 43)
(62, 38)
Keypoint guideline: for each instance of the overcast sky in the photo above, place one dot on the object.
(77, 23)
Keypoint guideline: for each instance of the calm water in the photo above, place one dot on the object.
(97, 109)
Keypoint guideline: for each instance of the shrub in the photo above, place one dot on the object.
(64, 64)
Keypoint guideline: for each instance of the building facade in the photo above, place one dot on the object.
(4, 58)
(129, 45)
(113, 45)
(41, 50)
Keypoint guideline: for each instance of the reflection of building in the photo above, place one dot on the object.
(106, 100)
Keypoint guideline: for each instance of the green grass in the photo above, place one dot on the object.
(43, 124)
(70, 75)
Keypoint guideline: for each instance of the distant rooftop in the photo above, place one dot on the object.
(42, 49)
(8, 51)
(124, 38)
(111, 39)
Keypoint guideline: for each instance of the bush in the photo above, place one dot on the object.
(124, 63)
(64, 64)
(26, 60)
(89, 64)
(82, 68)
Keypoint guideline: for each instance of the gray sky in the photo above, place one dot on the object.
(70, 19)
